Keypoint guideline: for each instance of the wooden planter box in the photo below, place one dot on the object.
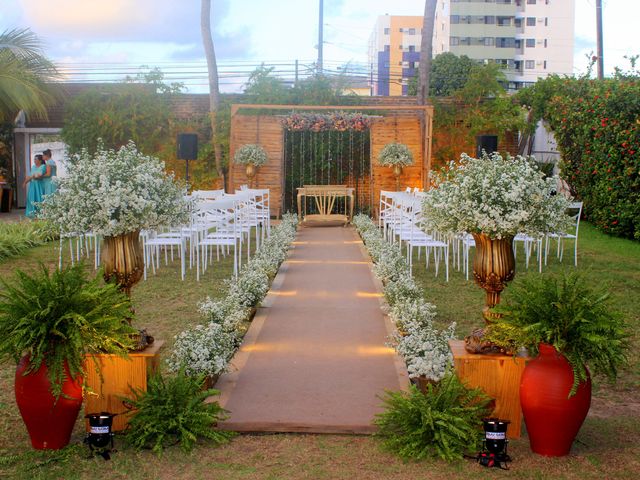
(119, 376)
(499, 377)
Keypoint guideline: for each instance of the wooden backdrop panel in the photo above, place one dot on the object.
(265, 130)
(407, 130)
(405, 125)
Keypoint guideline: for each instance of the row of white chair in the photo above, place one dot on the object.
(401, 219)
(220, 220)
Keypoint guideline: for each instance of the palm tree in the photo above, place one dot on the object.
(426, 48)
(214, 93)
(24, 71)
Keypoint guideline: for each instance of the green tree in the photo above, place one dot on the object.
(24, 71)
(480, 106)
(264, 87)
(449, 73)
(137, 109)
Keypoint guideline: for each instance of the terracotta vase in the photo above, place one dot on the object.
(397, 171)
(122, 259)
(493, 266)
(552, 418)
(49, 422)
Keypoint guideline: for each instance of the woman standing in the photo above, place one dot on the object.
(48, 185)
(34, 193)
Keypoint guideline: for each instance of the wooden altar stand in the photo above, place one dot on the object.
(325, 197)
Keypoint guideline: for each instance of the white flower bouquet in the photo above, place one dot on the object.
(250, 154)
(393, 154)
(497, 196)
(113, 193)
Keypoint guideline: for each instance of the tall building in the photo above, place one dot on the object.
(530, 38)
(394, 53)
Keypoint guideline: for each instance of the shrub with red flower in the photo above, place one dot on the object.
(596, 125)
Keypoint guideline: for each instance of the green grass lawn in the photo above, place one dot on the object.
(608, 445)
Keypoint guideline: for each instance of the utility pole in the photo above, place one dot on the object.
(320, 38)
(599, 39)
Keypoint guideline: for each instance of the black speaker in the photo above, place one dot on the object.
(488, 143)
(187, 146)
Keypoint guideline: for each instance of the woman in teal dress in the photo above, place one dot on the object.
(34, 192)
(48, 184)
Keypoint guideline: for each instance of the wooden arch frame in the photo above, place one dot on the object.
(411, 124)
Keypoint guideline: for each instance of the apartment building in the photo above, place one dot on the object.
(530, 38)
(394, 53)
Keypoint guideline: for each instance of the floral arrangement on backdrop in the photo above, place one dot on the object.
(496, 196)
(317, 122)
(250, 154)
(113, 192)
(424, 347)
(393, 154)
(207, 349)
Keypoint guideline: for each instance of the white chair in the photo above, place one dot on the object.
(411, 233)
(223, 216)
(575, 210)
(152, 243)
(528, 243)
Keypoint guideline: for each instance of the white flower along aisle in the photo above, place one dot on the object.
(208, 348)
(424, 348)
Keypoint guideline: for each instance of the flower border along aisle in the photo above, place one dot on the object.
(424, 348)
(208, 348)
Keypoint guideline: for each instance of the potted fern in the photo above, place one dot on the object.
(570, 328)
(48, 322)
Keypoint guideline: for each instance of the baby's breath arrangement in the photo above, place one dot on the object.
(424, 348)
(393, 154)
(497, 196)
(250, 154)
(207, 349)
(113, 193)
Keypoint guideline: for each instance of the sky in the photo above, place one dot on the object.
(101, 39)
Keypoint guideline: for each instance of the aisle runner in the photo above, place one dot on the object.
(314, 359)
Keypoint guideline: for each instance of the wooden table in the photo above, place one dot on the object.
(119, 375)
(499, 377)
(325, 198)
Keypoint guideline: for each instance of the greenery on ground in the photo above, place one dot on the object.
(595, 123)
(608, 444)
(565, 312)
(173, 411)
(56, 318)
(18, 237)
(444, 421)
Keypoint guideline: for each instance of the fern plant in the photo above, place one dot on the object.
(58, 317)
(445, 421)
(173, 411)
(563, 311)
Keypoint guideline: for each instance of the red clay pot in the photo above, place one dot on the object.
(552, 419)
(48, 422)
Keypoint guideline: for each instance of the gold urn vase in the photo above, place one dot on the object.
(251, 173)
(122, 259)
(397, 171)
(493, 266)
